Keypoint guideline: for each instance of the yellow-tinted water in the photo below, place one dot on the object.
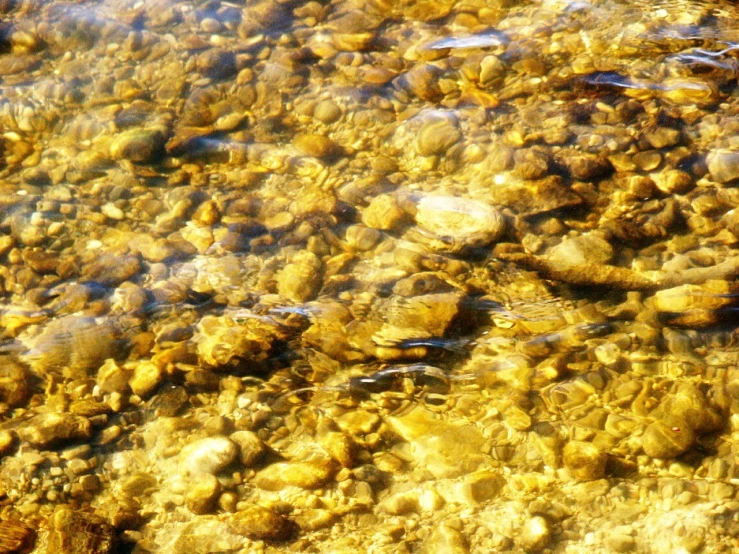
(388, 277)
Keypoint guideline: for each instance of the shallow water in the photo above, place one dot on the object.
(440, 277)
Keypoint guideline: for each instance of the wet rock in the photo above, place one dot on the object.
(423, 81)
(433, 313)
(531, 163)
(723, 165)
(209, 455)
(16, 537)
(446, 540)
(482, 486)
(202, 495)
(534, 535)
(110, 270)
(383, 213)
(584, 460)
(401, 503)
(138, 145)
(146, 377)
(537, 197)
(667, 438)
(454, 224)
(436, 136)
(260, 523)
(674, 181)
(339, 447)
(14, 383)
(620, 542)
(251, 448)
(450, 451)
(300, 279)
(73, 346)
(695, 305)
(318, 146)
(304, 475)
(584, 166)
(216, 63)
(54, 429)
(327, 112)
(315, 519)
(362, 238)
(76, 532)
(7, 442)
(577, 251)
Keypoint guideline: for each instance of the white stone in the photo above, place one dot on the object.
(209, 455)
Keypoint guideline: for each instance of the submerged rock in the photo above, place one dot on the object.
(54, 429)
(454, 224)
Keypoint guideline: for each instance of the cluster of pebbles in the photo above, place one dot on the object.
(381, 276)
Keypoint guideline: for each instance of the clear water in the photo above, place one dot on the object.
(464, 274)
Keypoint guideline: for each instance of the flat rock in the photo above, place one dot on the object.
(534, 197)
(304, 475)
(261, 523)
(54, 429)
(572, 252)
(444, 449)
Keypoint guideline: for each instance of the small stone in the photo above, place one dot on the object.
(723, 165)
(318, 146)
(436, 136)
(251, 447)
(661, 137)
(383, 213)
(339, 447)
(260, 523)
(530, 163)
(674, 181)
(209, 455)
(483, 485)
(90, 483)
(54, 429)
(112, 211)
(362, 238)
(401, 503)
(584, 460)
(584, 166)
(423, 81)
(327, 112)
(138, 145)
(648, 160)
(304, 475)
(535, 534)
(7, 441)
(446, 540)
(147, 376)
(315, 519)
(202, 495)
(216, 63)
(620, 542)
